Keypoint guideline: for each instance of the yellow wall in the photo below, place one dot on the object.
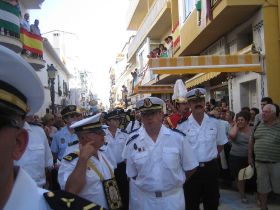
(174, 12)
(272, 48)
(189, 32)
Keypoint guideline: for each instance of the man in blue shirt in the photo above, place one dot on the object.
(66, 135)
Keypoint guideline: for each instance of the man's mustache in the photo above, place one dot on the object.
(198, 106)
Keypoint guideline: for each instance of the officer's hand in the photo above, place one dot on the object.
(87, 150)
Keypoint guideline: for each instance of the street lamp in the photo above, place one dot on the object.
(51, 75)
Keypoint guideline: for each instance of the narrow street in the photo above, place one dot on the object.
(230, 201)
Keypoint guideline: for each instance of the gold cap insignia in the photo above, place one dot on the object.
(198, 93)
(147, 103)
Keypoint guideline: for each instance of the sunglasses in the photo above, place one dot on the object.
(149, 113)
(74, 115)
(97, 132)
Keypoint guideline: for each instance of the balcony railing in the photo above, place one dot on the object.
(32, 48)
(146, 26)
(9, 26)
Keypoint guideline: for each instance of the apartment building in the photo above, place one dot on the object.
(230, 47)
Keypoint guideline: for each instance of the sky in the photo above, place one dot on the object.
(100, 26)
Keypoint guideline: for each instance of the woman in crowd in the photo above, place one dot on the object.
(238, 159)
(254, 111)
(50, 130)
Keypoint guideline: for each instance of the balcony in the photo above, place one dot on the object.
(9, 27)
(32, 49)
(32, 4)
(156, 23)
(136, 13)
(194, 38)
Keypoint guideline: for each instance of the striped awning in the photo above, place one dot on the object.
(206, 64)
(200, 78)
(155, 89)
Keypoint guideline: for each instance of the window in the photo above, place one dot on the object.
(187, 7)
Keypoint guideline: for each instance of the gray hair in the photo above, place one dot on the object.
(272, 108)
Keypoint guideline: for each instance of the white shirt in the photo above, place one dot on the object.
(25, 24)
(136, 125)
(37, 155)
(93, 189)
(25, 194)
(159, 166)
(114, 146)
(204, 138)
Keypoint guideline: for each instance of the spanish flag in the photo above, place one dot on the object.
(31, 42)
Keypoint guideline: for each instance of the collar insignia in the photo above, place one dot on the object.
(68, 201)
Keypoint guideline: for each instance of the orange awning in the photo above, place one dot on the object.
(155, 89)
(206, 64)
(200, 78)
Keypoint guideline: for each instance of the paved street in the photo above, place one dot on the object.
(230, 201)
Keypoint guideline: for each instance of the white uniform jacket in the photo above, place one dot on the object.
(37, 155)
(159, 168)
(93, 189)
(25, 194)
(204, 138)
(114, 146)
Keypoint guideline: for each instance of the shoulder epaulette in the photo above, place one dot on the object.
(64, 200)
(183, 120)
(134, 130)
(123, 130)
(212, 116)
(132, 138)
(73, 143)
(178, 131)
(70, 156)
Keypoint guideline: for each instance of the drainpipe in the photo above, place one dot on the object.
(279, 20)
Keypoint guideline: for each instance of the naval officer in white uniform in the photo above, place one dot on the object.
(206, 137)
(84, 168)
(20, 91)
(158, 160)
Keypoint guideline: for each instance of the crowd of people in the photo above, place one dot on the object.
(134, 160)
(163, 50)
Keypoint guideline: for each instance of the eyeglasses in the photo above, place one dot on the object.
(74, 115)
(97, 132)
(101, 132)
(150, 113)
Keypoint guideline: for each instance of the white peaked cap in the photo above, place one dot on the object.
(89, 123)
(180, 92)
(16, 72)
